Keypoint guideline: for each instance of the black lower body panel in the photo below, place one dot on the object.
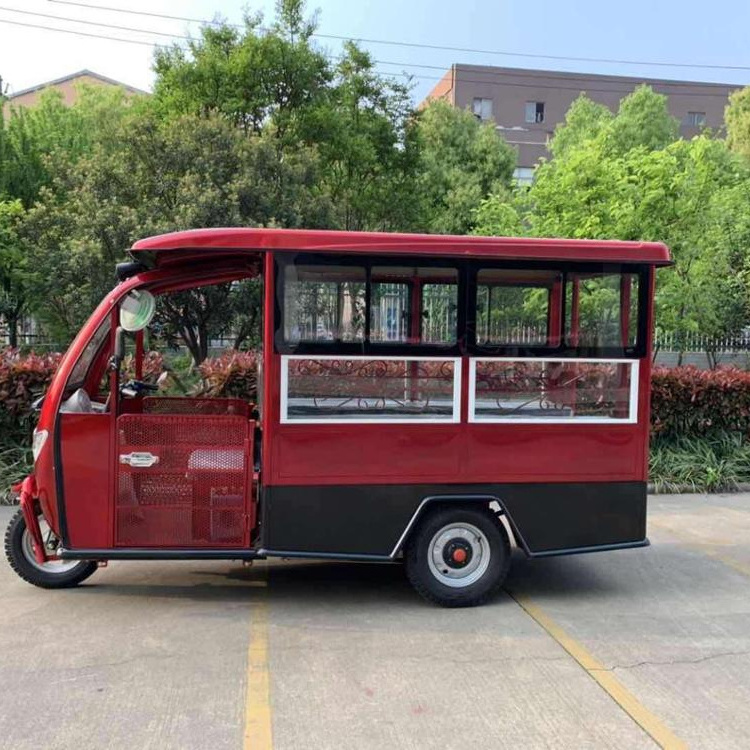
(358, 520)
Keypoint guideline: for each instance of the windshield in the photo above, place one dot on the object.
(88, 355)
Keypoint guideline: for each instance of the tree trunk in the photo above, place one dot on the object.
(187, 334)
(12, 322)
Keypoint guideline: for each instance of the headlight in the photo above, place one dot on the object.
(38, 441)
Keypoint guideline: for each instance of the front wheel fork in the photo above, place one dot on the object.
(27, 492)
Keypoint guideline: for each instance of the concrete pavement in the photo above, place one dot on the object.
(611, 650)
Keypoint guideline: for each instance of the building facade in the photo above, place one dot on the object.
(527, 105)
(68, 86)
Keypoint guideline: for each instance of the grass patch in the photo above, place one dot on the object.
(15, 464)
(716, 463)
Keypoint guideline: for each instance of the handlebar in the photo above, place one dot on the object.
(135, 388)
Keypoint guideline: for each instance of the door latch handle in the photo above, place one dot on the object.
(139, 460)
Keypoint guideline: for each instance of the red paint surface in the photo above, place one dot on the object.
(351, 454)
(87, 467)
(221, 240)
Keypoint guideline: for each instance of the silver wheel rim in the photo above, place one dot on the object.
(475, 545)
(55, 567)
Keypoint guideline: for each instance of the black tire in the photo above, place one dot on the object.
(418, 555)
(17, 554)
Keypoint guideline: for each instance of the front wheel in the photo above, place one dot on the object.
(458, 557)
(53, 574)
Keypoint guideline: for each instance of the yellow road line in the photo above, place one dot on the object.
(650, 723)
(258, 734)
(706, 548)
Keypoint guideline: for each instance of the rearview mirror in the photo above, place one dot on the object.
(136, 310)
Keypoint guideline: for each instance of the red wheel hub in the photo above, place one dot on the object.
(459, 555)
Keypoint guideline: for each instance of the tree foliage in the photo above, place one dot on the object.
(259, 126)
(628, 176)
(463, 161)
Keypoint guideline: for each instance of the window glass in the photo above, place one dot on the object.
(513, 306)
(394, 314)
(367, 389)
(482, 108)
(601, 310)
(324, 303)
(81, 368)
(534, 112)
(439, 312)
(390, 305)
(553, 391)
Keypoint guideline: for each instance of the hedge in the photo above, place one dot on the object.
(688, 402)
(23, 378)
(685, 401)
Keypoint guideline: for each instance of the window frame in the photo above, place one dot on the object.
(480, 115)
(453, 419)
(466, 318)
(537, 120)
(633, 393)
(283, 259)
(563, 349)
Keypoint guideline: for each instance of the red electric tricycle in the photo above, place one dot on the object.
(421, 399)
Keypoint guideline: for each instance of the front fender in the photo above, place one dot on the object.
(27, 495)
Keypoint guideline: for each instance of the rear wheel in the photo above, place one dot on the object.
(52, 574)
(458, 557)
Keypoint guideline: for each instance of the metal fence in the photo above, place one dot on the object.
(389, 324)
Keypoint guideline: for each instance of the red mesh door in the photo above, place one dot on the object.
(182, 481)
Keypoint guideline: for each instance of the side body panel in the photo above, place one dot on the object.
(87, 465)
(361, 519)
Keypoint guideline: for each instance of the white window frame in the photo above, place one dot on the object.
(455, 417)
(535, 115)
(485, 107)
(631, 419)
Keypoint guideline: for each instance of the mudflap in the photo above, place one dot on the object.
(27, 494)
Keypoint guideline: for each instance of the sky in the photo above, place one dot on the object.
(688, 32)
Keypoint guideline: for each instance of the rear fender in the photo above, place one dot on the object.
(494, 505)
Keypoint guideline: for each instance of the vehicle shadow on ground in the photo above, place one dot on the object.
(310, 582)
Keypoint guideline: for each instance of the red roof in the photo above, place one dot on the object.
(238, 240)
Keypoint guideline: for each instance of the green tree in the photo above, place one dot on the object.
(584, 121)
(163, 176)
(642, 121)
(33, 139)
(462, 162)
(255, 78)
(737, 118)
(368, 155)
(14, 271)
(629, 177)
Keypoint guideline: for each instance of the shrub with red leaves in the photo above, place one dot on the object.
(234, 374)
(23, 378)
(686, 401)
(153, 366)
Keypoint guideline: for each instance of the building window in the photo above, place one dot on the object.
(534, 111)
(524, 176)
(696, 119)
(482, 108)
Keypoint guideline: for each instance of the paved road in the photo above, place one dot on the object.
(616, 650)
